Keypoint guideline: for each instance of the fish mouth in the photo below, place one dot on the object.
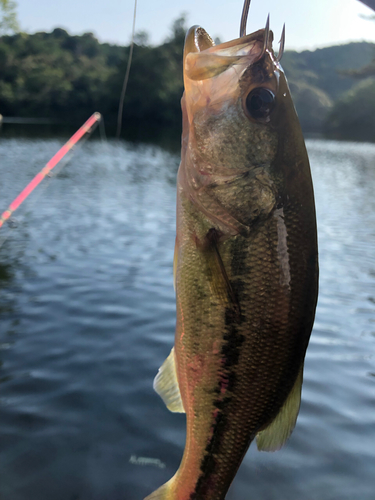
(203, 59)
(217, 75)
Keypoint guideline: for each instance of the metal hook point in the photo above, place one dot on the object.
(281, 46)
(245, 14)
(266, 36)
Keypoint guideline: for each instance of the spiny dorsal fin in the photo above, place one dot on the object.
(166, 384)
(274, 436)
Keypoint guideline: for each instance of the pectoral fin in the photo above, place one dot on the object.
(219, 277)
(166, 384)
(277, 433)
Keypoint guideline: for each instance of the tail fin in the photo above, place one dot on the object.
(162, 493)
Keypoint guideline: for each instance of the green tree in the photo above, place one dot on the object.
(312, 105)
(66, 78)
(8, 16)
(353, 115)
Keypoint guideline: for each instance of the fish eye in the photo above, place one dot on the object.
(260, 103)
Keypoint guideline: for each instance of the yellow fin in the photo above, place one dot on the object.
(166, 384)
(162, 493)
(274, 436)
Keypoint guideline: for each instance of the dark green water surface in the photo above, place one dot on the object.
(87, 316)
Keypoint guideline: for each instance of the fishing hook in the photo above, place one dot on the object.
(266, 36)
(245, 14)
(281, 46)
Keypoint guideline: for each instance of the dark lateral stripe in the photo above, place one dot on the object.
(230, 354)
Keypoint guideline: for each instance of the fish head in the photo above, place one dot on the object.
(239, 117)
(231, 95)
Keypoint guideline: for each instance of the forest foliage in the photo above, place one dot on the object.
(62, 77)
(8, 17)
(66, 78)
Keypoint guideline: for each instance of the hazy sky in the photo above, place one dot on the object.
(309, 24)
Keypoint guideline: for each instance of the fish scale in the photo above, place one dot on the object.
(246, 269)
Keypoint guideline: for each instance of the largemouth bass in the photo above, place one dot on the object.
(246, 267)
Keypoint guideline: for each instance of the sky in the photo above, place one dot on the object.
(309, 24)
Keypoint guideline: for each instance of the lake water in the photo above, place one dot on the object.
(87, 316)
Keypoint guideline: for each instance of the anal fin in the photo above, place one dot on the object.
(166, 384)
(274, 436)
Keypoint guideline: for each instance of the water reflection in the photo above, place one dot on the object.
(8, 305)
(86, 291)
(5, 274)
(161, 137)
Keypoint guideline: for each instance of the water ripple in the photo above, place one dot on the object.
(88, 312)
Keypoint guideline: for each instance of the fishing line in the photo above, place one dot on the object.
(56, 161)
(125, 84)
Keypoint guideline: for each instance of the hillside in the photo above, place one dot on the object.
(65, 78)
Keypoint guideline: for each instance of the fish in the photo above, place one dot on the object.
(245, 265)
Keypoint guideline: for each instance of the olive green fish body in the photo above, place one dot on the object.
(246, 263)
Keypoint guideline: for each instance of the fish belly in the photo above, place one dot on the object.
(237, 359)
